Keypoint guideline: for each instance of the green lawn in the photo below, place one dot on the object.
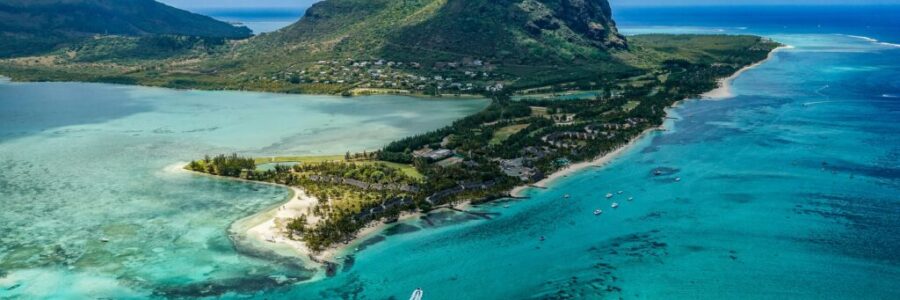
(409, 170)
(630, 105)
(504, 133)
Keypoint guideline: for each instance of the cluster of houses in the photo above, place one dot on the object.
(365, 185)
(433, 155)
(440, 196)
(465, 75)
(521, 168)
(386, 205)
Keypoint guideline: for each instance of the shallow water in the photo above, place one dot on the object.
(84, 162)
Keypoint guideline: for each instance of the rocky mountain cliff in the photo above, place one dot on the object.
(511, 31)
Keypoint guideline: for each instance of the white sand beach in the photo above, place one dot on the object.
(724, 89)
(574, 168)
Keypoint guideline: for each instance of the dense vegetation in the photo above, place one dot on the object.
(36, 26)
(233, 165)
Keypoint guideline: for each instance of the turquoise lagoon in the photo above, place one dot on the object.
(788, 190)
(83, 162)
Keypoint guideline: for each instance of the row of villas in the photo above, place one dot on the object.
(439, 197)
(365, 185)
(380, 73)
(386, 205)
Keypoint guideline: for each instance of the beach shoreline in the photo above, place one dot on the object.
(724, 91)
(519, 191)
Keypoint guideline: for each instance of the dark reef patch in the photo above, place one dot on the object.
(370, 241)
(739, 198)
(599, 280)
(244, 285)
(353, 289)
(348, 263)
(401, 229)
(868, 221)
(664, 171)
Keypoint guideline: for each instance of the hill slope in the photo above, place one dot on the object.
(32, 26)
(511, 31)
(431, 47)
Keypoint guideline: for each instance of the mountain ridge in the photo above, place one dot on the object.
(34, 26)
(580, 28)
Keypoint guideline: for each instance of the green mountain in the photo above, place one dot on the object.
(433, 47)
(502, 31)
(499, 29)
(34, 26)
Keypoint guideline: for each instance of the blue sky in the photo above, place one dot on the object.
(200, 4)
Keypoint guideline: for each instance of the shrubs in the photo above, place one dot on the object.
(231, 166)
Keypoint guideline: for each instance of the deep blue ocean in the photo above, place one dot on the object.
(788, 190)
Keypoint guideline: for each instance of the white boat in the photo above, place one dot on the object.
(620, 192)
(598, 212)
(566, 196)
(105, 240)
(678, 179)
(417, 295)
(609, 195)
(630, 198)
(615, 205)
(506, 206)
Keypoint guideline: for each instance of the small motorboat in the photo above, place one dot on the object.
(620, 192)
(417, 295)
(566, 196)
(609, 195)
(506, 206)
(598, 212)
(630, 198)
(615, 205)
(104, 240)
(678, 179)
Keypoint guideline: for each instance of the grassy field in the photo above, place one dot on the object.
(504, 133)
(408, 170)
(630, 105)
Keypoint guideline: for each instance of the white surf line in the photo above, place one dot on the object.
(845, 101)
(874, 41)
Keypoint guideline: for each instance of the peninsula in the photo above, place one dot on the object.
(567, 88)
